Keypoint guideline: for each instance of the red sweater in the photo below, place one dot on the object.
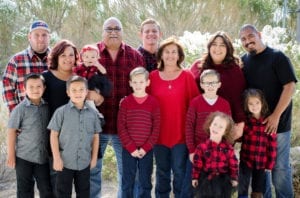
(174, 97)
(138, 124)
(232, 88)
(198, 110)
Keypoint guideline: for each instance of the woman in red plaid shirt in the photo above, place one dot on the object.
(215, 167)
(258, 151)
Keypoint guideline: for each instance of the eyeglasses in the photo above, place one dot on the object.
(213, 83)
(110, 30)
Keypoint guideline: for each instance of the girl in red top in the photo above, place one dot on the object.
(215, 167)
(95, 73)
(258, 151)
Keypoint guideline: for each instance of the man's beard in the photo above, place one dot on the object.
(253, 52)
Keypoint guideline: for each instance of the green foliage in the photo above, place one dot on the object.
(109, 169)
(8, 15)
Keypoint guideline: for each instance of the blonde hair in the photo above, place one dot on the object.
(139, 71)
(208, 72)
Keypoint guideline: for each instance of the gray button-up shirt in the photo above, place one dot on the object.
(76, 128)
(31, 120)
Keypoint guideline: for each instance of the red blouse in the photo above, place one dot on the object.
(174, 97)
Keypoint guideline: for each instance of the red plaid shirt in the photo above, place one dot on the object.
(84, 71)
(18, 67)
(258, 147)
(214, 159)
(118, 72)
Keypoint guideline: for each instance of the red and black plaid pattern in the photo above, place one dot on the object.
(86, 72)
(118, 73)
(18, 67)
(258, 147)
(214, 159)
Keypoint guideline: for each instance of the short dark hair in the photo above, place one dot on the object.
(76, 78)
(34, 76)
(248, 26)
(59, 49)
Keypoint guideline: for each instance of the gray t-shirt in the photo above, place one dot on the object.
(76, 128)
(31, 120)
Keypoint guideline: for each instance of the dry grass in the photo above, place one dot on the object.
(6, 174)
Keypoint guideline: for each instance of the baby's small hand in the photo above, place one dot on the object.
(100, 67)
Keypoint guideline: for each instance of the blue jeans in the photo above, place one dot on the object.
(95, 179)
(131, 166)
(282, 172)
(167, 160)
(187, 188)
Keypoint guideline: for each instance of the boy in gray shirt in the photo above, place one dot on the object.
(74, 141)
(28, 140)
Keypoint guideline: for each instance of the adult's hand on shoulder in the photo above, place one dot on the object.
(271, 122)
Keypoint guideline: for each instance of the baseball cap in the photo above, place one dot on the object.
(39, 24)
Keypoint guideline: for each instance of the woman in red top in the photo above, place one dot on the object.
(220, 57)
(174, 88)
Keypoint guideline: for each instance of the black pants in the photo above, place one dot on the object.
(217, 187)
(64, 182)
(26, 173)
(258, 179)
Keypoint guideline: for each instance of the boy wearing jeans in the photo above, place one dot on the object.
(74, 141)
(138, 127)
(28, 140)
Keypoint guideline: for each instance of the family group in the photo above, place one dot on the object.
(66, 106)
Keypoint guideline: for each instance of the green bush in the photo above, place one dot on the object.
(109, 170)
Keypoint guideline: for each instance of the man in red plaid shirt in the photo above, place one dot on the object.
(118, 59)
(31, 60)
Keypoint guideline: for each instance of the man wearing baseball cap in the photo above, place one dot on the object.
(31, 60)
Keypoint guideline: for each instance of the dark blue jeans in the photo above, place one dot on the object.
(26, 173)
(187, 188)
(64, 182)
(131, 166)
(167, 160)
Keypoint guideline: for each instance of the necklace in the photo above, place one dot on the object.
(169, 84)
